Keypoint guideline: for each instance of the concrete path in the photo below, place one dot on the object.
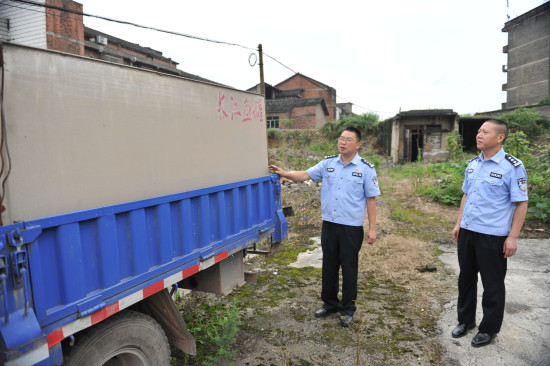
(525, 335)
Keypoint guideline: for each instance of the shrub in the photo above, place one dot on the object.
(287, 122)
(274, 134)
(532, 123)
(538, 181)
(215, 329)
(454, 146)
(223, 334)
(448, 190)
(518, 145)
(322, 148)
(329, 130)
(366, 123)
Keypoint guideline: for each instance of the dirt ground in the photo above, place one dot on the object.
(406, 292)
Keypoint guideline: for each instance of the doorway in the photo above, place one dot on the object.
(414, 143)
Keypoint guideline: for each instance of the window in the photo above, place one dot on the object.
(273, 122)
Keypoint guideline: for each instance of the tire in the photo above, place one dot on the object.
(128, 338)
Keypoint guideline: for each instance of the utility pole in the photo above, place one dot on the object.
(262, 83)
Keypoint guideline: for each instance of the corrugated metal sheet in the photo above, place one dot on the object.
(87, 260)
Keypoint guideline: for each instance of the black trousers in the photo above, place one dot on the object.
(481, 253)
(341, 245)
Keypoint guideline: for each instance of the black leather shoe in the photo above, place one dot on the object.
(346, 320)
(321, 313)
(482, 339)
(462, 329)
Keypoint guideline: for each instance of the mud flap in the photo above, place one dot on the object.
(161, 307)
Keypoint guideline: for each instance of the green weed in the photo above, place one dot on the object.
(214, 328)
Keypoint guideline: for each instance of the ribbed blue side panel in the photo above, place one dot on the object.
(84, 259)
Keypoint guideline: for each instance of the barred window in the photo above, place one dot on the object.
(273, 122)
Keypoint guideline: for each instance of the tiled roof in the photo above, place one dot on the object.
(287, 104)
(428, 112)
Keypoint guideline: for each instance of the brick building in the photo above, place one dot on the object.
(65, 29)
(305, 102)
(312, 89)
(291, 109)
(528, 50)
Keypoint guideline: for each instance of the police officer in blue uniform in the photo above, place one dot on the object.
(491, 215)
(350, 187)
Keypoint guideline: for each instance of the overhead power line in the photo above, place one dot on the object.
(53, 7)
(29, 2)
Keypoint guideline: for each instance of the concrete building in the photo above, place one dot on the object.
(528, 50)
(419, 133)
(109, 48)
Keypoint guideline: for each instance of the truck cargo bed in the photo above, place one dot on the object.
(82, 262)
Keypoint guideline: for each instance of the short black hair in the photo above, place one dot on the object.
(502, 127)
(355, 130)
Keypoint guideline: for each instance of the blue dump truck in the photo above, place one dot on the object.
(120, 185)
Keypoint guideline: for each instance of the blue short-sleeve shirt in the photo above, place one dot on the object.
(493, 187)
(345, 188)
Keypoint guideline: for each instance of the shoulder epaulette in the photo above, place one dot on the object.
(331, 156)
(513, 160)
(474, 158)
(368, 163)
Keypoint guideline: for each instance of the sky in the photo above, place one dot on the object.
(382, 56)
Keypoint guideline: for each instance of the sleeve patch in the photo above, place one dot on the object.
(522, 184)
(375, 181)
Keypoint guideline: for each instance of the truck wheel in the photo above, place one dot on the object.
(127, 338)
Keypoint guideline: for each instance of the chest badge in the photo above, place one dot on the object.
(330, 170)
(356, 174)
(470, 171)
(496, 175)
